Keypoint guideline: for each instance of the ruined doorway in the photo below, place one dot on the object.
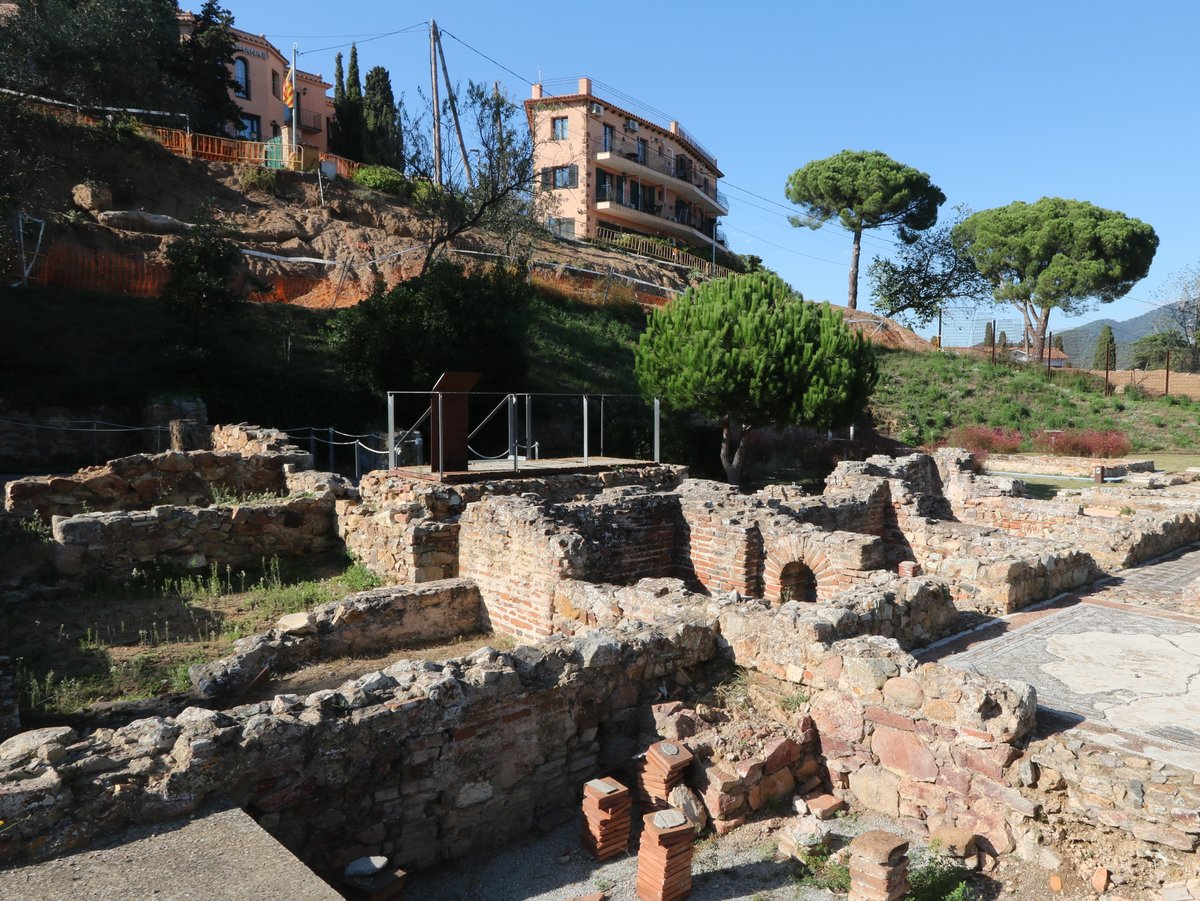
(797, 583)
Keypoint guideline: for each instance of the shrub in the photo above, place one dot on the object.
(258, 178)
(382, 178)
(1083, 443)
(992, 439)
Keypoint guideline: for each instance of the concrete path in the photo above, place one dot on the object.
(221, 855)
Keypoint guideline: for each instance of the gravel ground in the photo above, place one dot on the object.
(740, 866)
(553, 867)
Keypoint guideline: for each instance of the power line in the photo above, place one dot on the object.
(485, 56)
(791, 211)
(781, 247)
(411, 28)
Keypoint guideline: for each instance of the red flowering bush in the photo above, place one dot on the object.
(978, 438)
(1083, 443)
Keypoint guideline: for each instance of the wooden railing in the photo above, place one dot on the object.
(651, 248)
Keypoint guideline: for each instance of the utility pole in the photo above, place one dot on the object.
(462, 146)
(437, 105)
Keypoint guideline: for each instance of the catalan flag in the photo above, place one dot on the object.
(289, 93)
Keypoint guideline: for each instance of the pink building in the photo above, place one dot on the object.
(603, 167)
(259, 68)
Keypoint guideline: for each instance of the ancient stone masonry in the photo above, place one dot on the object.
(252, 440)
(369, 622)
(143, 481)
(406, 529)
(419, 762)
(115, 545)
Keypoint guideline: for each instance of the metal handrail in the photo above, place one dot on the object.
(666, 164)
(488, 418)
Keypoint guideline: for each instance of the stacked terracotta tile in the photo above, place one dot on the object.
(878, 867)
(660, 771)
(665, 856)
(606, 817)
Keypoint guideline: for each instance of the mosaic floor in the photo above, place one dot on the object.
(1135, 670)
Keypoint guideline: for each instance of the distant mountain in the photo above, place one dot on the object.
(1080, 342)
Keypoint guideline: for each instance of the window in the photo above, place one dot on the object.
(276, 131)
(564, 228)
(558, 128)
(608, 138)
(251, 129)
(241, 74)
(560, 177)
(275, 85)
(641, 151)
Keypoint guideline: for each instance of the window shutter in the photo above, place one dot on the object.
(573, 176)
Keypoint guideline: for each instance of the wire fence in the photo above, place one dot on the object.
(73, 441)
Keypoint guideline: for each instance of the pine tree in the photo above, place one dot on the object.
(202, 67)
(747, 351)
(1106, 350)
(989, 335)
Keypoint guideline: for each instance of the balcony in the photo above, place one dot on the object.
(649, 216)
(624, 154)
(310, 121)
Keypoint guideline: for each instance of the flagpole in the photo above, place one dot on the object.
(295, 102)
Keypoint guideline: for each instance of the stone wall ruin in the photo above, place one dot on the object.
(628, 582)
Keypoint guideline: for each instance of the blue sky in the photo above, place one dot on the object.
(997, 102)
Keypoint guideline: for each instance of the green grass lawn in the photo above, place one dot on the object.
(922, 396)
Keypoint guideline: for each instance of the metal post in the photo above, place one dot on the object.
(295, 106)
(391, 430)
(357, 463)
(331, 449)
(657, 405)
(441, 440)
(528, 428)
(95, 446)
(601, 425)
(585, 431)
(1167, 386)
(513, 447)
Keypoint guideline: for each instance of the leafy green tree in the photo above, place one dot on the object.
(202, 66)
(925, 274)
(864, 189)
(747, 351)
(499, 200)
(989, 334)
(104, 52)
(383, 141)
(1152, 352)
(1181, 312)
(1106, 350)
(1002, 341)
(1056, 254)
(1058, 343)
(407, 336)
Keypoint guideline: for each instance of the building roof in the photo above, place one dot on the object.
(678, 137)
(260, 42)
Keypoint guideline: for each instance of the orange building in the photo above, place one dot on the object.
(601, 166)
(259, 68)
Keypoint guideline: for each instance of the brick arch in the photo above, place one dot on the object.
(797, 549)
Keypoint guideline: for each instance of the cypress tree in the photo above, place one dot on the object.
(348, 111)
(989, 335)
(1106, 354)
(747, 351)
(381, 132)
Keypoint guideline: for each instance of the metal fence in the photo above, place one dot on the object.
(522, 429)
